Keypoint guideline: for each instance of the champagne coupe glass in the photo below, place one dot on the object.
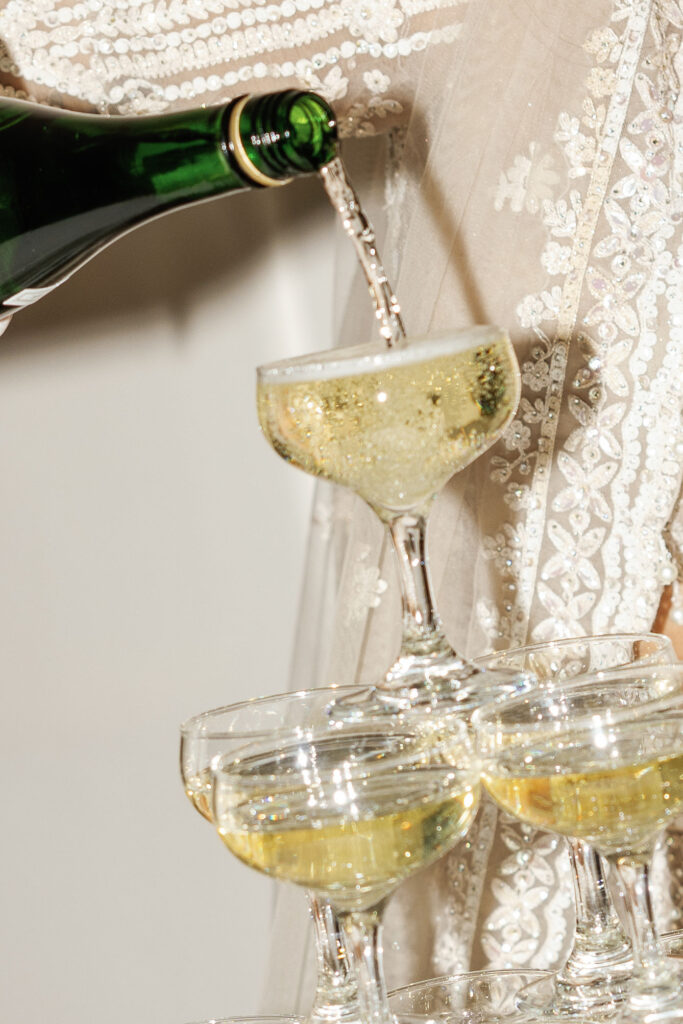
(571, 657)
(599, 965)
(601, 760)
(270, 1019)
(209, 734)
(480, 997)
(347, 810)
(393, 425)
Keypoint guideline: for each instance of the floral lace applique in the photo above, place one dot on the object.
(363, 116)
(528, 183)
(582, 551)
(530, 878)
(622, 267)
(366, 588)
(466, 875)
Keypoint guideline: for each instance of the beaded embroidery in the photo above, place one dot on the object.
(137, 58)
(619, 473)
(595, 456)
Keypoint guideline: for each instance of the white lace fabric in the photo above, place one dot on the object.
(537, 183)
(547, 197)
(122, 57)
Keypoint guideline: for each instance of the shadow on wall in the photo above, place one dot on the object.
(168, 261)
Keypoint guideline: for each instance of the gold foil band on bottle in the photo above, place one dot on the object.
(240, 153)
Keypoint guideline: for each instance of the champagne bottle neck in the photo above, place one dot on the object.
(276, 136)
(71, 183)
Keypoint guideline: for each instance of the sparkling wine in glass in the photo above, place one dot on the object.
(393, 425)
(601, 761)
(347, 810)
(599, 967)
(203, 738)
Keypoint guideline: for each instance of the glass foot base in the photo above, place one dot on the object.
(270, 1019)
(598, 997)
(435, 680)
(481, 997)
(603, 998)
(672, 943)
(339, 1009)
(662, 1004)
(336, 1015)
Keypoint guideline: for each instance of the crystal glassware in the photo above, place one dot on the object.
(393, 425)
(601, 760)
(206, 736)
(599, 966)
(265, 1019)
(571, 657)
(672, 943)
(479, 997)
(347, 810)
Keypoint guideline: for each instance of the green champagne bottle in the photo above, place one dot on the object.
(71, 183)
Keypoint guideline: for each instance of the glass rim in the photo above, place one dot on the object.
(491, 717)
(188, 725)
(467, 772)
(469, 976)
(365, 358)
(266, 1018)
(540, 645)
(191, 727)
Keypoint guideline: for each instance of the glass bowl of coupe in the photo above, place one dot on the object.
(598, 970)
(601, 760)
(346, 810)
(208, 735)
(480, 997)
(393, 425)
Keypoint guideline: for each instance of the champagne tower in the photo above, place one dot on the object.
(71, 183)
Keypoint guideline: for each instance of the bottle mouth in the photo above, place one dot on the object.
(277, 135)
(247, 163)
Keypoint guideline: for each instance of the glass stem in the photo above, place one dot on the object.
(336, 994)
(654, 980)
(362, 929)
(422, 630)
(599, 939)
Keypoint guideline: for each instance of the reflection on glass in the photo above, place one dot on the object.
(599, 965)
(602, 761)
(206, 736)
(346, 810)
(394, 425)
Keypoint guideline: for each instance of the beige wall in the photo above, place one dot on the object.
(151, 551)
